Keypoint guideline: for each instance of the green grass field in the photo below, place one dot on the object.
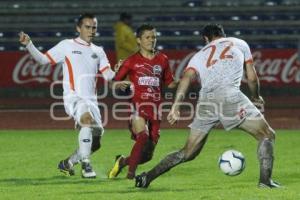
(29, 168)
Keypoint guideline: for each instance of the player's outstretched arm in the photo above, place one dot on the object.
(35, 53)
(253, 84)
(184, 84)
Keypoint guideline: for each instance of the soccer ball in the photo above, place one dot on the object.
(232, 162)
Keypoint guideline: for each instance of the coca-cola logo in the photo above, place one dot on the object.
(27, 70)
(286, 70)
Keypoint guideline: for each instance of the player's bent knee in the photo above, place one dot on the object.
(194, 146)
(265, 132)
(86, 120)
(269, 133)
(138, 124)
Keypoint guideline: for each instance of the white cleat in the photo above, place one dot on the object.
(87, 170)
(270, 185)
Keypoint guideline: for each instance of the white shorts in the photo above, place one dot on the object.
(76, 107)
(230, 109)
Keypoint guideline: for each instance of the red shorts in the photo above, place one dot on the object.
(147, 110)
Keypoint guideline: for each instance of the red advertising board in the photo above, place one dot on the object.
(275, 67)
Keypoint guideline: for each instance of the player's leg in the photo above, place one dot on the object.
(239, 111)
(265, 135)
(85, 140)
(205, 119)
(85, 146)
(192, 148)
(88, 118)
(154, 134)
(66, 165)
(121, 161)
(85, 136)
(140, 130)
(140, 134)
(75, 158)
(148, 151)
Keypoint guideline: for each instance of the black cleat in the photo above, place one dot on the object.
(65, 167)
(141, 181)
(270, 185)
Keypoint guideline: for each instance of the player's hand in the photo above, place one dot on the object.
(24, 38)
(118, 65)
(123, 85)
(259, 103)
(258, 100)
(173, 116)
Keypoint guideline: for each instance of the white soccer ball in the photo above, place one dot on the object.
(232, 162)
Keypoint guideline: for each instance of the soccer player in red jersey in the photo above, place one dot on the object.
(147, 70)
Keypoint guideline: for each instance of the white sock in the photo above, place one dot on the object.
(75, 157)
(85, 142)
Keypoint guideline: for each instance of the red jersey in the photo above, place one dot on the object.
(147, 76)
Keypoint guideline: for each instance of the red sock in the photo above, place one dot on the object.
(136, 153)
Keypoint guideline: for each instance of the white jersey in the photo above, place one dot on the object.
(81, 62)
(220, 63)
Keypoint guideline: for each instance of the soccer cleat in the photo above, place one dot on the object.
(66, 167)
(87, 170)
(117, 168)
(270, 185)
(141, 180)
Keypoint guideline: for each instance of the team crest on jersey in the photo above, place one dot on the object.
(94, 56)
(157, 69)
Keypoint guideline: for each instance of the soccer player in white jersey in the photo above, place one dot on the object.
(219, 68)
(81, 61)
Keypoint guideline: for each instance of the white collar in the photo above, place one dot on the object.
(81, 41)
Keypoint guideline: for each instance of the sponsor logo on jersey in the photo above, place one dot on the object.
(94, 56)
(138, 65)
(76, 52)
(157, 69)
(148, 80)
